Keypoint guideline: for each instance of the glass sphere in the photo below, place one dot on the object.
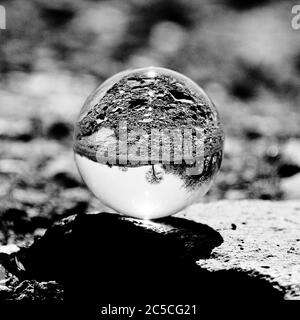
(148, 142)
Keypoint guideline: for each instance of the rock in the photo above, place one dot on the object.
(32, 290)
(7, 281)
(113, 258)
(11, 289)
(264, 246)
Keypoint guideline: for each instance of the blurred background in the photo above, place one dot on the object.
(245, 54)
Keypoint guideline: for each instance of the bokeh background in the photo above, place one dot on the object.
(245, 54)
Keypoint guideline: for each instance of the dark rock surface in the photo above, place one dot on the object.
(111, 233)
(108, 257)
(32, 290)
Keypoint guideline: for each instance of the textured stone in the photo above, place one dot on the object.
(169, 237)
(120, 256)
(32, 290)
(265, 244)
(107, 257)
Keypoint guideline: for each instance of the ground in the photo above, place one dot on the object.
(261, 239)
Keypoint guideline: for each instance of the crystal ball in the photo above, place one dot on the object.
(148, 142)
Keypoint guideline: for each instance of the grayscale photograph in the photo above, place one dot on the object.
(149, 158)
